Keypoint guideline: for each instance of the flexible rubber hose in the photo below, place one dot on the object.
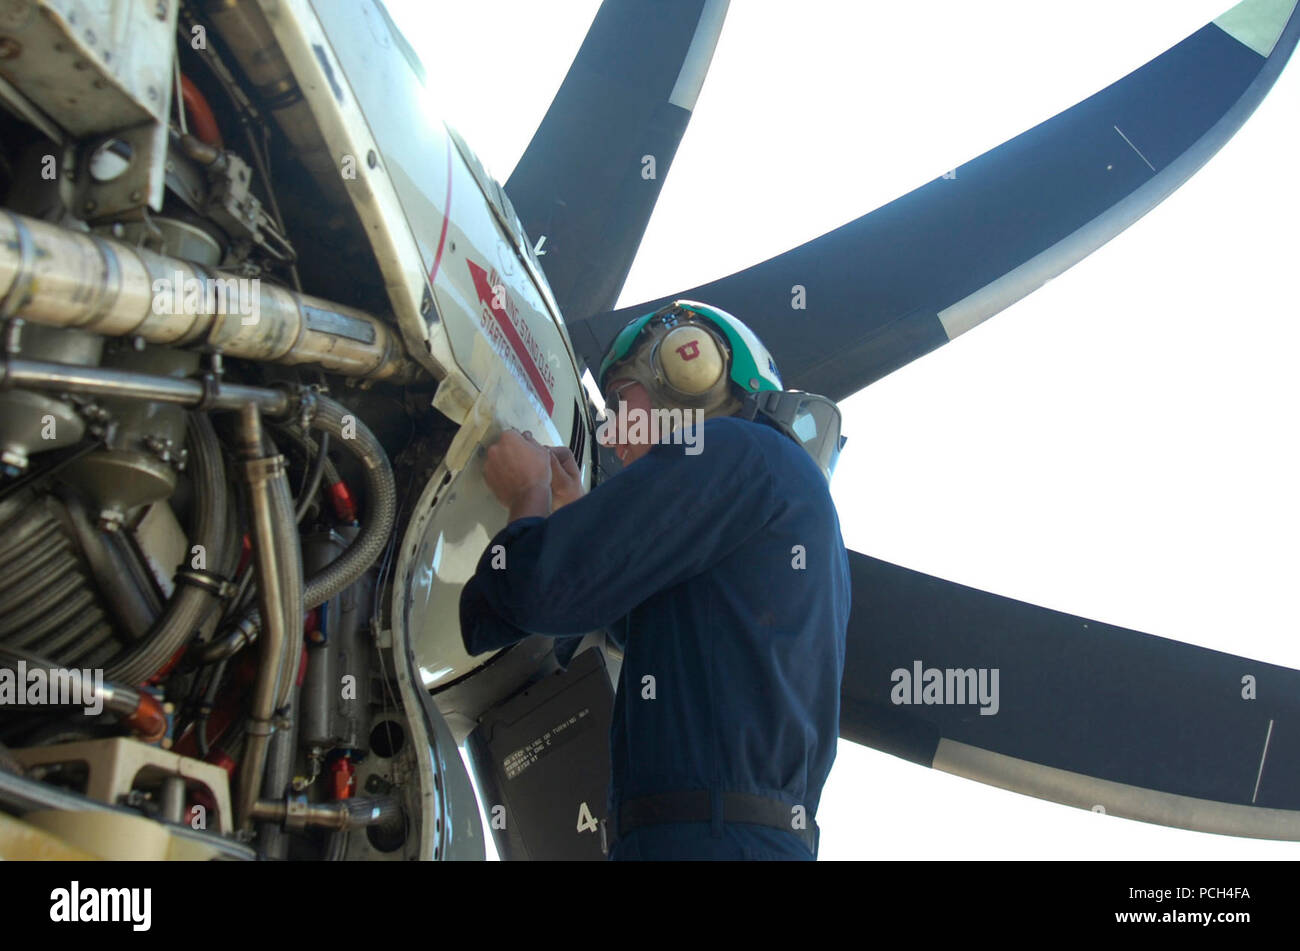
(314, 477)
(138, 710)
(189, 603)
(381, 503)
(205, 709)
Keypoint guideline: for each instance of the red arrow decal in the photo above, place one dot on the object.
(484, 289)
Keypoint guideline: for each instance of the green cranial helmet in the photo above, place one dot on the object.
(690, 355)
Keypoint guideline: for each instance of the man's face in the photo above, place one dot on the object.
(636, 397)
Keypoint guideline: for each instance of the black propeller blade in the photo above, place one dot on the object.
(895, 284)
(589, 179)
(1067, 709)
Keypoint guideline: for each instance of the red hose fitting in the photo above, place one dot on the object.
(148, 720)
(345, 508)
(311, 627)
(343, 779)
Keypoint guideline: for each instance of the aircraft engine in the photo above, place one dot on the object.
(201, 448)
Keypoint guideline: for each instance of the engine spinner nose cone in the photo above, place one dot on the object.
(691, 360)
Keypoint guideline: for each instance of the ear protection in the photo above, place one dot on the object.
(682, 363)
(690, 359)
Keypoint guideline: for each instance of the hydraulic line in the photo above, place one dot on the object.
(279, 579)
(139, 711)
(296, 813)
(314, 476)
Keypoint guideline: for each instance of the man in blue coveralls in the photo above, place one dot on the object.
(714, 558)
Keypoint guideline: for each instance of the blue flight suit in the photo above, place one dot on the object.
(724, 578)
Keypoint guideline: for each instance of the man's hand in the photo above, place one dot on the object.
(518, 471)
(566, 480)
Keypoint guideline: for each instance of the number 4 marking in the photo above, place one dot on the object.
(586, 821)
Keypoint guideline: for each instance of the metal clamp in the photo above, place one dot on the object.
(302, 399)
(206, 580)
(264, 469)
(295, 812)
(308, 404)
(211, 383)
(256, 727)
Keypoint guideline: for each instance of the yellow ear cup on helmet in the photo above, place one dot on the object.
(691, 360)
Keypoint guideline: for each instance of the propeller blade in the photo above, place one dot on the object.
(586, 185)
(901, 281)
(1067, 709)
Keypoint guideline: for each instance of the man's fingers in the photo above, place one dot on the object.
(560, 468)
(514, 461)
(563, 456)
(514, 438)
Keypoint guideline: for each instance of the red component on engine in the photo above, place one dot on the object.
(168, 667)
(302, 666)
(245, 553)
(222, 759)
(200, 113)
(202, 804)
(345, 507)
(343, 777)
(148, 720)
(311, 627)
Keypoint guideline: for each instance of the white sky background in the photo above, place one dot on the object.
(1120, 445)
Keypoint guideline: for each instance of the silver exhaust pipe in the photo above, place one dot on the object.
(60, 278)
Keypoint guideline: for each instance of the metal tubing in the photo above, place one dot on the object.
(57, 277)
(272, 842)
(138, 710)
(173, 798)
(98, 381)
(296, 813)
(260, 472)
